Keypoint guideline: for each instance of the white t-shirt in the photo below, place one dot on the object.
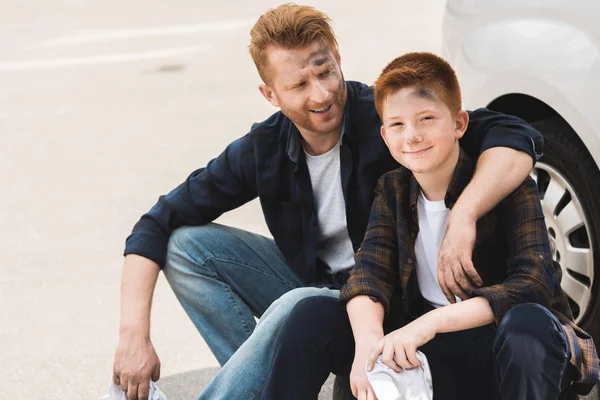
(433, 220)
(334, 246)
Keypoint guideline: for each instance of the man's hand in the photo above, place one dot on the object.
(136, 362)
(359, 383)
(456, 273)
(398, 349)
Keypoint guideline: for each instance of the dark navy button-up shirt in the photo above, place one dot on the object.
(269, 163)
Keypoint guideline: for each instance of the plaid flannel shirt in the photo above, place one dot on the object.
(511, 254)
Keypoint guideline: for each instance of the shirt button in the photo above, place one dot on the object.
(410, 260)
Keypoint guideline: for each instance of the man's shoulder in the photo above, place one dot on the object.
(272, 126)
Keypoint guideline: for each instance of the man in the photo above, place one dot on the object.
(514, 338)
(222, 276)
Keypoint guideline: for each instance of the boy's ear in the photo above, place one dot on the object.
(383, 133)
(462, 122)
(268, 94)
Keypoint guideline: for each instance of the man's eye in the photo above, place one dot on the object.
(326, 72)
(301, 84)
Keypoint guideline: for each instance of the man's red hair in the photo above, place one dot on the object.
(288, 26)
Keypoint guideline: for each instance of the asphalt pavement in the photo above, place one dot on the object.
(103, 107)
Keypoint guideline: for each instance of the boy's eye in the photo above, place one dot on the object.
(427, 118)
(396, 124)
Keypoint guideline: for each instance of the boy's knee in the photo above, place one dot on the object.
(529, 332)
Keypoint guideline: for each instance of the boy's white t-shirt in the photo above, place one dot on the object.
(433, 220)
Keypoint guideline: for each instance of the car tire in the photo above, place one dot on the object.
(567, 164)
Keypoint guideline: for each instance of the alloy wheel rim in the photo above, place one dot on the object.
(569, 232)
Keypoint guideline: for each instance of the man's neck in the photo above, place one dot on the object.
(317, 144)
(434, 184)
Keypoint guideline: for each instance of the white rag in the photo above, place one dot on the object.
(410, 384)
(116, 393)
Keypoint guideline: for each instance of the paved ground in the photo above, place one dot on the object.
(104, 106)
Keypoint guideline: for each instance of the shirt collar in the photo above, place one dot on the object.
(460, 178)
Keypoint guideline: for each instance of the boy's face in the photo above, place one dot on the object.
(308, 86)
(420, 130)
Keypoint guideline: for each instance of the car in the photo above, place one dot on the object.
(540, 60)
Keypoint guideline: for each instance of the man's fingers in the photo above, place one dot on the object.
(115, 379)
(132, 392)
(450, 284)
(144, 390)
(442, 281)
(156, 373)
(463, 280)
(470, 270)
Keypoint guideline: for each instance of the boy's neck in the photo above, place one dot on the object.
(434, 184)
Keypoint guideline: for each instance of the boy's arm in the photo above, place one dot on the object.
(506, 147)
(530, 268)
(398, 349)
(376, 272)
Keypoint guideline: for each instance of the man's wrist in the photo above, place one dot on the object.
(133, 329)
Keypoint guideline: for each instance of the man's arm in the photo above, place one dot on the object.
(530, 268)
(226, 183)
(136, 361)
(509, 147)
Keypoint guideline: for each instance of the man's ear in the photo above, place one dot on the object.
(269, 94)
(462, 122)
(338, 59)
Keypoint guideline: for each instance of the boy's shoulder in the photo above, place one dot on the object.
(397, 183)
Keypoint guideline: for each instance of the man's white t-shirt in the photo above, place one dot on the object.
(334, 246)
(433, 220)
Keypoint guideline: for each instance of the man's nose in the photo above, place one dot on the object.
(319, 94)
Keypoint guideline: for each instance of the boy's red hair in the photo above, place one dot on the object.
(288, 26)
(423, 70)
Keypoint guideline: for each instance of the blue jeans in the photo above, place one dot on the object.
(224, 277)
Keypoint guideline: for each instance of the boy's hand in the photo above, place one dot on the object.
(456, 273)
(359, 383)
(398, 349)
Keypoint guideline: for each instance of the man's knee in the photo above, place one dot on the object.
(287, 303)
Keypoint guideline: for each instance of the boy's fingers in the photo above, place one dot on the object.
(375, 352)
(387, 357)
(411, 355)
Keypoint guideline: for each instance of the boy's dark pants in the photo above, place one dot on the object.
(526, 357)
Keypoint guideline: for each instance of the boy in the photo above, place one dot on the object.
(512, 339)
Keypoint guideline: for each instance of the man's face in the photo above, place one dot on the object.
(420, 130)
(308, 86)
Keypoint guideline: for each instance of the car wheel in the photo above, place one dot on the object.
(569, 184)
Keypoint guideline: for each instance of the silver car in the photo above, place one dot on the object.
(540, 60)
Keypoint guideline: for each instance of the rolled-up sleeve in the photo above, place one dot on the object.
(530, 268)
(376, 272)
(226, 183)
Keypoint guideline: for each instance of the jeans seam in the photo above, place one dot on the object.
(280, 280)
(237, 309)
